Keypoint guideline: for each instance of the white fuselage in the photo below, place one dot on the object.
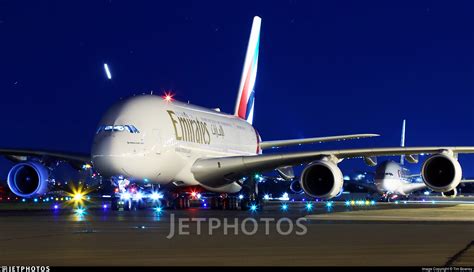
(146, 138)
(392, 177)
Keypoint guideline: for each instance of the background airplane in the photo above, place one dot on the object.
(392, 179)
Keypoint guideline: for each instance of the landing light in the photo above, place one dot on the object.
(155, 196)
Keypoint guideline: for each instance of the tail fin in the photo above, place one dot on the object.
(402, 142)
(244, 105)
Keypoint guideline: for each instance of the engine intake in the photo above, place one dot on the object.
(322, 179)
(441, 173)
(295, 187)
(28, 179)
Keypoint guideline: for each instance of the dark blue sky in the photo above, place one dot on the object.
(326, 67)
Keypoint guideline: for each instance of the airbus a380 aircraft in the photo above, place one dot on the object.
(160, 141)
(392, 179)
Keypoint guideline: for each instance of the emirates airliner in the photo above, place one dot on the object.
(161, 141)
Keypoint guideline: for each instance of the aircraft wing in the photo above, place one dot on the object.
(216, 172)
(75, 159)
(284, 143)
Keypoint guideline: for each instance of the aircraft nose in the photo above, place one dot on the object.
(106, 156)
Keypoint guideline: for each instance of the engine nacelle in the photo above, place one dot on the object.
(28, 179)
(295, 187)
(452, 193)
(322, 179)
(441, 173)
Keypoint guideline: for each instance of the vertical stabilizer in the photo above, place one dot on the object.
(244, 106)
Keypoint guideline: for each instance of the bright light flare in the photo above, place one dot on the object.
(107, 71)
(155, 196)
(284, 207)
(168, 97)
(253, 207)
(329, 204)
(266, 197)
(77, 196)
(80, 211)
(309, 206)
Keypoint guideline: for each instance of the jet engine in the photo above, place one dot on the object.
(295, 187)
(28, 179)
(322, 179)
(441, 173)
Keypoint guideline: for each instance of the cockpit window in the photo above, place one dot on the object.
(118, 128)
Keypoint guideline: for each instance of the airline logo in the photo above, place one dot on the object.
(189, 130)
(246, 99)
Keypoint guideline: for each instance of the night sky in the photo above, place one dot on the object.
(325, 67)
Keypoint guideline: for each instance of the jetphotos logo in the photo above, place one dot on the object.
(235, 226)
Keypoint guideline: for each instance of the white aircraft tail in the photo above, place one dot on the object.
(402, 141)
(244, 105)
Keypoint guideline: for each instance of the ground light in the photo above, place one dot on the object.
(80, 211)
